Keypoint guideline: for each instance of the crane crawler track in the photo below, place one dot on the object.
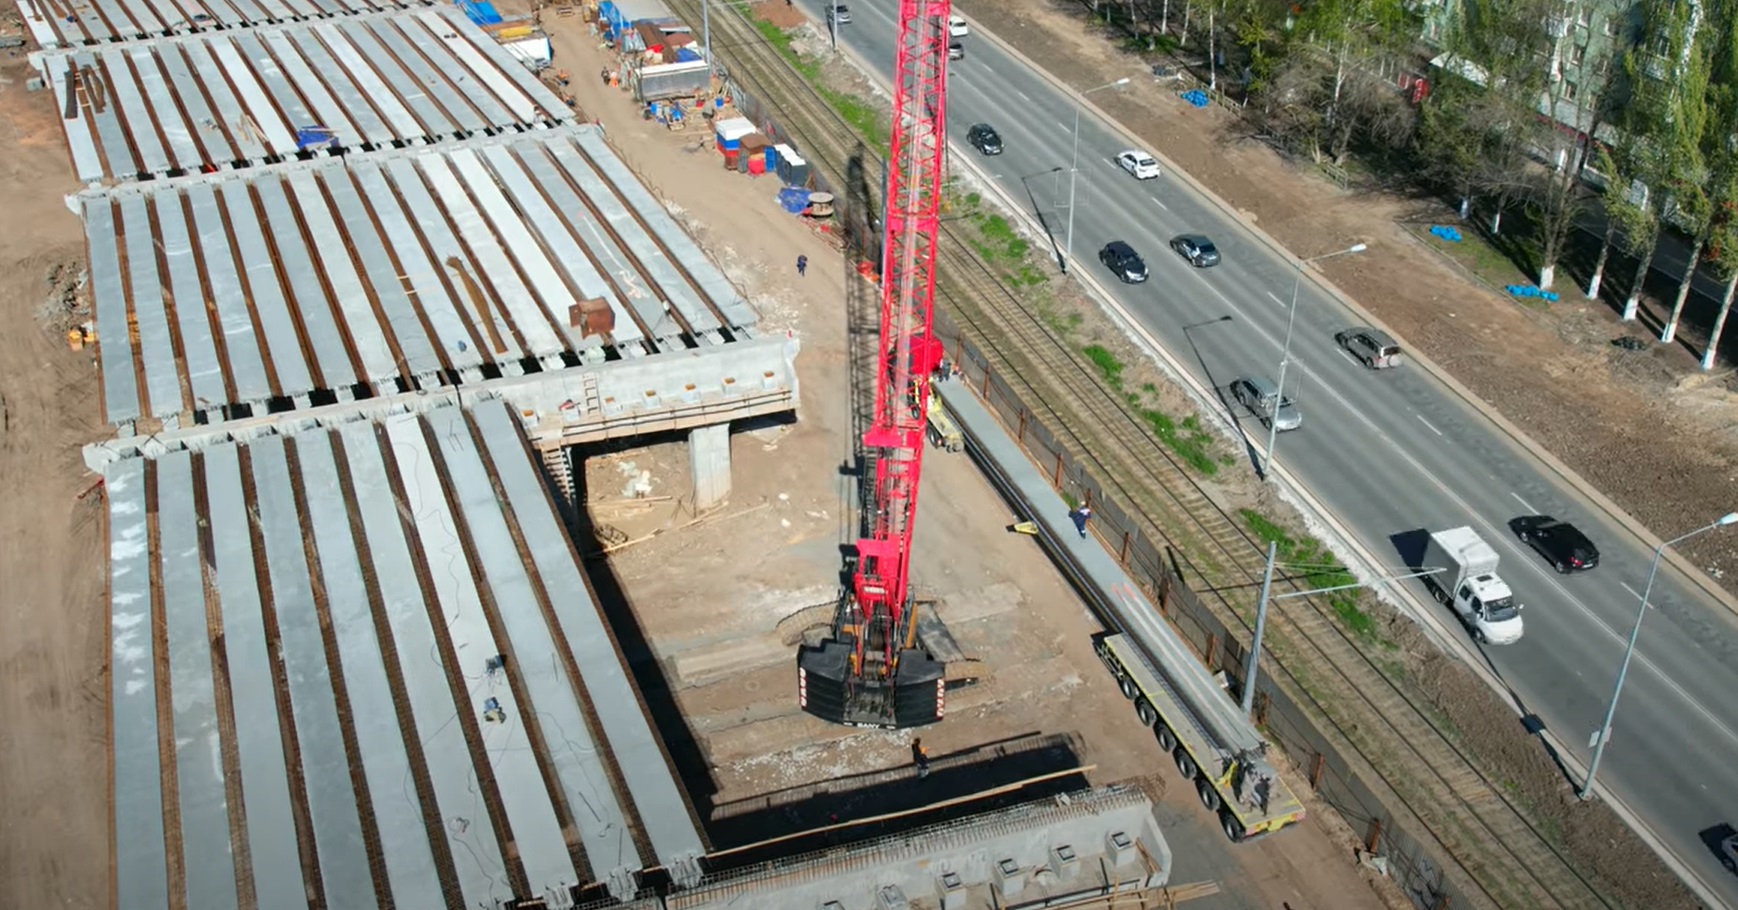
(1498, 858)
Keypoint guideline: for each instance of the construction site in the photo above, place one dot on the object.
(480, 471)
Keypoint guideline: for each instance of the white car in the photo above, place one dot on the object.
(956, 27)
(1138, 163)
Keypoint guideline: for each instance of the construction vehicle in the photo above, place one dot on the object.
(1469, 583)
(871, 671)
(943, 432)
(1213, 744)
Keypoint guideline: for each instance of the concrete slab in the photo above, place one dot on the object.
(718, 663)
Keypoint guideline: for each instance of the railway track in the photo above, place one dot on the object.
(1501, 856)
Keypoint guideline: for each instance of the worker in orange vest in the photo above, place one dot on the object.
(920, 755)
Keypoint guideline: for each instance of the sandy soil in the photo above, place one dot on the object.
(1644, 430)
(54, 627)
(710, 596)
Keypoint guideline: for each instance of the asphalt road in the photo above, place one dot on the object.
(1388, 452)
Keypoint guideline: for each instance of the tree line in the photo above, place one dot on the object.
(1546, 109)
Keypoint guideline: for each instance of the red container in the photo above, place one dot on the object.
(730, 156)
(757, 165)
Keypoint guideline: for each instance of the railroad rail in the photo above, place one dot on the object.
(1500, 855)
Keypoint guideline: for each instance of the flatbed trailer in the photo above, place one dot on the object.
(1208, 736)
(1247, 794)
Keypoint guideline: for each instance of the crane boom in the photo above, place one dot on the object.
(882, 680)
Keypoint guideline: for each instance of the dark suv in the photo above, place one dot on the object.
(1124, 262)
(985, 139)
(1199, 250)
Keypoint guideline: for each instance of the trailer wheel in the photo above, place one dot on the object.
(1167, 739)
(1209, 796)
(1228, 824)
(1144, 710)
(1128, 688)
(1185, 764)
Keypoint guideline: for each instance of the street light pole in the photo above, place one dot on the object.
(1249, 675)
(1285, 355)
(1074, 170)
(1603, 734)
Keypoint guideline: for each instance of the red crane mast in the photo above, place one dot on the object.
(908, 350)
(871, 674)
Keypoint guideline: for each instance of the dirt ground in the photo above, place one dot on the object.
(1646, 429)
(711, 596)
(54, 626)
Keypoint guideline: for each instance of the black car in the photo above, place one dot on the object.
(956, 51)
(1561, 543)
(841, 11)
(1124, 262)
(985, 139)
(1199, 250)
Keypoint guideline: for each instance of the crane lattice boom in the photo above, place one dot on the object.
(908, 351)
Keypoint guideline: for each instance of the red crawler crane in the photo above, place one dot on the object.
(871, 673)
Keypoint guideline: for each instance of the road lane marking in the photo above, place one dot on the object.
(1350, 359)
(1275, 298)
(1066, 129)
(1156, 202)
(1524, 504)
(1632, 592)
(1021, 94)
(1428, 424)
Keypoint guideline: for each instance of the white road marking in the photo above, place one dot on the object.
(1428, 424)
(1022, 95)
(1066, 129)
(1275, 298)
(1349, 358)
(1632, 592)
(1524, 504)
(1156, 202)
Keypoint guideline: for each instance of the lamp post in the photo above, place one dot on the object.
(1603, 734)
(1074, 168)
(1285, 355)
(1249, 675)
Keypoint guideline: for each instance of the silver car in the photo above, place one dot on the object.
(1264, 401)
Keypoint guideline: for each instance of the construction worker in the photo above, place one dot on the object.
(1080, 516)
(920, 755)
(802, 265)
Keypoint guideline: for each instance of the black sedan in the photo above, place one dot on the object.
(985, 139)
(1124, 262)
(1199, 250)
(1561, 543)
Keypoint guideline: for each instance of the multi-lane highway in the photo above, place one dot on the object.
(1386, 452)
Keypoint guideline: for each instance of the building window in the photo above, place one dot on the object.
(1612, 26)
(1570, 90)
(1577, 53)
(1583, 16)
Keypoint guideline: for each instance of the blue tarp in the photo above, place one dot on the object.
(313, 137)
(793, 199)
(480, 11)
(687, 55)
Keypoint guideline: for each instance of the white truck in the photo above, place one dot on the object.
(1467, 580)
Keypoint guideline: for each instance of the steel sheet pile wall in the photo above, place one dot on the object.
(1413, 856)
(168, 106)
(427, 739)
(56, 23)
(386, 272)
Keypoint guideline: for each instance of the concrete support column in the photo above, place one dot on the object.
(709, 462)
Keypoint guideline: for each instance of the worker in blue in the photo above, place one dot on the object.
(802, 266)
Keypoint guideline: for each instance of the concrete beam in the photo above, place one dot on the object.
(709, 460)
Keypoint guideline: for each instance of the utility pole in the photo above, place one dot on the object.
(1249, 676)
